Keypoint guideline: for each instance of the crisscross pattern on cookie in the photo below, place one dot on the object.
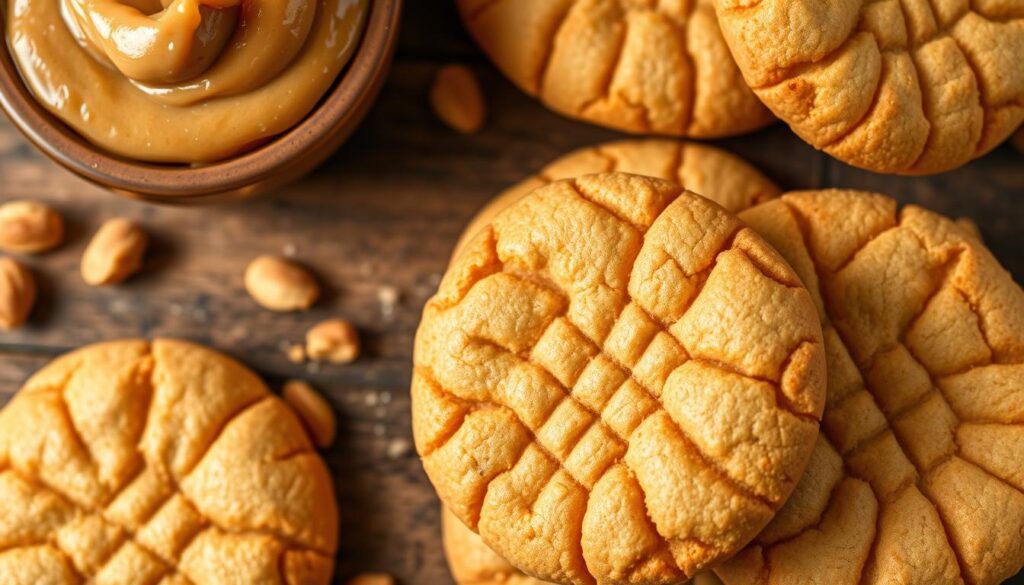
(714, 173)
(918, 472)
(615, 352)
(133, 462)
(906, 86)
(637, 65)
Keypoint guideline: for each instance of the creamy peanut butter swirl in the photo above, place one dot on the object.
(182, 80)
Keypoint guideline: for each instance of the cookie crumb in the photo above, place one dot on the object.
(333, 340)
(296, 353)
(372, 398)
(239, 332)
(397, 448)
(388, 297)
(385, 397)
(119, 306)
(290, 250)
(200, 314)
(379, 430)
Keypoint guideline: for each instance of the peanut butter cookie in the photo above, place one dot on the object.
(139, 462)
(917, 476)
(894, 86)
(647, 67)
(615, 351)
(716, 174)
(473, 563)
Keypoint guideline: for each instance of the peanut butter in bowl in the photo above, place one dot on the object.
(181, 81)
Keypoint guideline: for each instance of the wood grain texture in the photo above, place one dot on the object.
(384, 211)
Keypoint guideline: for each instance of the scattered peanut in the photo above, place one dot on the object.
(314, 411)
(17, 293)
(398, 448)
(457, 99)
(29, 227)
(280, 285)
(372, 579)
(114, 253)
(333, 340)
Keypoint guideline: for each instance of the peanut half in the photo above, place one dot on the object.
(17, 293)
(114, 253)
(333, 340)
(280, 285)
(312, 409)
(29, 227)
(457, 98)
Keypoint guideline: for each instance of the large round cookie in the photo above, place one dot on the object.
(139, 462)
(716, 174)
(894, 86)
(659, 68)
(615, 351)
(918, 476)
(473, 563)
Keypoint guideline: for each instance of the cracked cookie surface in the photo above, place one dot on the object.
(635, 65)
(473, 563)
(717, 174)
(615, 351)
(893, 86)
(917, 476)
(159, 462)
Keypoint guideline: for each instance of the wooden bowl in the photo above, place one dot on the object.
(284, 158)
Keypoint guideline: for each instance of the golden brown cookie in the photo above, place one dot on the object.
(648, 67)
(917, 476)
(716, 174)
(163, 461)
(615, 351)
(895, 86)
(473, 563)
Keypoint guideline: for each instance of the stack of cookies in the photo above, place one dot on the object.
(620, 381)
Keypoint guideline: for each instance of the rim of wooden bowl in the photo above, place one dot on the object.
(283, 158)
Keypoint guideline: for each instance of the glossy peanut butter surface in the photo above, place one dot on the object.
(181, 81)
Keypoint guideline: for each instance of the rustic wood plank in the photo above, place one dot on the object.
(384, 211)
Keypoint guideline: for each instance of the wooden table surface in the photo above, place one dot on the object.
(382, 213)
